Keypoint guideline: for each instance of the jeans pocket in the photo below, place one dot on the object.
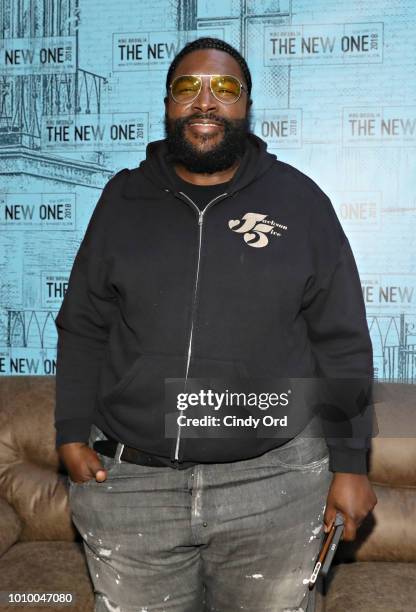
(302, 453)
(107, 463)
(73, 483)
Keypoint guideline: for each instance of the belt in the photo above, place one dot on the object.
(134, 455)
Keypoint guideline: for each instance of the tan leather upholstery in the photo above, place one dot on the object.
(29, 478)
(383, 578)
(10, 526)
(39, 547)
(394, 449)
(372, 587)
(38, 551)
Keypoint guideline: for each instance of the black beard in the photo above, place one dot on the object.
(220, 157)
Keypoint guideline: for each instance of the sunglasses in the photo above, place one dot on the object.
(224, 87)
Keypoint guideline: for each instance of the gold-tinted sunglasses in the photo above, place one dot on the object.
(224, 87)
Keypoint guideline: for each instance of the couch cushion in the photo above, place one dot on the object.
(27, 433)
(40, 498)
(48, 567)
(389, 532)
(371, 587)
(10, 526)
(393, 456)
(29, 464)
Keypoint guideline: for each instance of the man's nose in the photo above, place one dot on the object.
(205, 100)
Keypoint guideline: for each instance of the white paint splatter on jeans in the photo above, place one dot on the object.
(110, 606)
(197, 501)
(256, 576)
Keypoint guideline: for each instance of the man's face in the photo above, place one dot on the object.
(207, 148)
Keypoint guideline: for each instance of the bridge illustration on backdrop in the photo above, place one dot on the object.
(393, 338)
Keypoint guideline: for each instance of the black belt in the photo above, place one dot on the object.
(134, 455)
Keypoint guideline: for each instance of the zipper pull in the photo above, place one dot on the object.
(201, 215)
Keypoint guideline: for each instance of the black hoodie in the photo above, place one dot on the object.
(262, 283)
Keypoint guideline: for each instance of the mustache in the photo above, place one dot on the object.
(227, 124)
(209, 117)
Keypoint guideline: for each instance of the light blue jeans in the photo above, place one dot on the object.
(218, 537)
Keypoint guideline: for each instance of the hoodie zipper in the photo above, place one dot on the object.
(200, 214)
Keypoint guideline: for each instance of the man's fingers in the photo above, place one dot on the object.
(329, 517)
(84, 464)
(101, 475)
(350, 529)
(97, 471)
(96, 468)
(350, 525)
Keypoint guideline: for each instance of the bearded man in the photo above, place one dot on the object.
(211, 260)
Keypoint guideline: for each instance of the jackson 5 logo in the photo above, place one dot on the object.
(256, 229)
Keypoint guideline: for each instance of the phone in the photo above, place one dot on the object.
(328, 550)
(339, 530)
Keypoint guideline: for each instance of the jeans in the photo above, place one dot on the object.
(214, 537)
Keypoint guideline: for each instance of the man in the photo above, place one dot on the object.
(212, 260)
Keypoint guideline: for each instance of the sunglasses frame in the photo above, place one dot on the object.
(242, 87)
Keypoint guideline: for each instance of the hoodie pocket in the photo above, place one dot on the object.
(142, 410)
(145, 379)
(202, 367)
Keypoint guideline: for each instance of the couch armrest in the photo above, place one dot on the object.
(10, 526)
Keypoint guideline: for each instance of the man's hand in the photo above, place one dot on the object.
(352, 495)
(82, 462)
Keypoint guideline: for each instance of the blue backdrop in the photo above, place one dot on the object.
(81, 94)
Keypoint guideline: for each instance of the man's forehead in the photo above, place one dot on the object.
(208, 61)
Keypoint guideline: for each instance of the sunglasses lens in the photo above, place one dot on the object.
(185, 88)
(227, 89)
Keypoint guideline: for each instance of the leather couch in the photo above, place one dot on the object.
(40, 550)
(377, 572)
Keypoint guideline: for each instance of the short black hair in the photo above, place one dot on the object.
(210, 43)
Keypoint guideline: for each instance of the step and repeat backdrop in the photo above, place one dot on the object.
(81, 95)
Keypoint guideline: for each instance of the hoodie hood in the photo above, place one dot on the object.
(158, 165)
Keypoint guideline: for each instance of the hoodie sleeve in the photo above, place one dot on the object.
(334, 310)
(83, 324)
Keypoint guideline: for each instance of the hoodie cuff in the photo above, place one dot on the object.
(72, 430)
(351, 461)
